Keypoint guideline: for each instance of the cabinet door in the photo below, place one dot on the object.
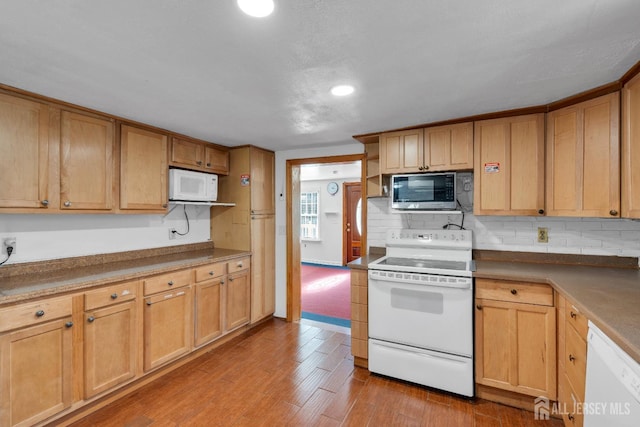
(263, 232)
(110, 347)
(167, 327)
(208, 314)
(35, 372)
(262, 181)
(86, 162)
(24, 171)
(516, 347)
(631, 149)
(509, 166)
(449, 148)
(583, 164)
(216, 160)
(401, 151)
(238, 296)
(143, 169)
(186, 153)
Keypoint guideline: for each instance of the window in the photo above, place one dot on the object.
(309, 215)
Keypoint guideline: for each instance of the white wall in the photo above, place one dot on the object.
(41, 237)
(589, 236)
(348, 147)
(328, 248)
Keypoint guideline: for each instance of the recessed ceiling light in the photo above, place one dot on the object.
(256, 8)
(342, 90)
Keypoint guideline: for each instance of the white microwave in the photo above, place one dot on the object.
(426, 191)
(192, 186)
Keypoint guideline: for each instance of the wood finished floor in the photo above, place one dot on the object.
(298, 375)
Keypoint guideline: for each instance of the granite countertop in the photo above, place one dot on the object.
(608, 296)
(23, 287)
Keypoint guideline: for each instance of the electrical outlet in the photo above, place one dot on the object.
(172, 234)
(9, 241)
(543, 235)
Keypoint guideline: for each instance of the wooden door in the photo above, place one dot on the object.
(35, 372)
(401, 152)
(143, 170)
(448, 148)
(263, 234)
(216, 160)
(24, 163)
(262, 181)
(509, 166)
(583, 164)
(631, 149)
(86, 162)
(208, 310)
(167, 327)
(238, 300)
(516, 347)
(351, 218)
(110, 347)
(186, 153)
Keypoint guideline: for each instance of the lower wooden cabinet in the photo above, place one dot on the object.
(263, 273)
(238, 299)
(35, 372)
(208, 310)
(359, 317)
(167, 327)
(516, 337)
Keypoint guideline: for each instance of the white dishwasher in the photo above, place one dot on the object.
(612, 391)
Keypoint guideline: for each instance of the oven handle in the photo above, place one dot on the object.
(421, 284)
(424, 353)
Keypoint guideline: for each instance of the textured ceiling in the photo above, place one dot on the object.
(205, 69)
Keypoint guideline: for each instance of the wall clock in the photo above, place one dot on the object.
(332, 188)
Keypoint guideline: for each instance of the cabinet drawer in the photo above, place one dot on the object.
(210, 271)
(165, 282)
(110, 295)
(576, 319)
(238, 265)
(34, 312)
(503, 290)
(575, 361)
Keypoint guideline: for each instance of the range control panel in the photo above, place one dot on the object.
(441, 236)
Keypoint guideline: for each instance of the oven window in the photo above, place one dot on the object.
(422, 301)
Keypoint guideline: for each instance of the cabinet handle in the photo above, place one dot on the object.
(231, 279)
(211, 273)
(222, 282)
(570, 416)
(114, 296)
(573, 315)
(571, 358)
(164, 205)
(420, 168)
(199, 162)
(39, 313)
(170, 283)
(67, 203)
(613, 212)
(478, 306)
(541, 211)
(240, 265)
(68, 324)
(426, 168)
(90, 319)
(208, 165)
(45, 202)
(514, 291)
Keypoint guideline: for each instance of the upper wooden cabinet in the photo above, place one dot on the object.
(509, 166)
(583, 163)
(200, 156)
(440, 148)
(86, 162)
(448, 148)
(24, 163)
(262, 181)
(631, 149)
(143, 169)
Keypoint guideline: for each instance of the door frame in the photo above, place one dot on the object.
(294, 306)
(345, 246)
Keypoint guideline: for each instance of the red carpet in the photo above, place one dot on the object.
(326, 291)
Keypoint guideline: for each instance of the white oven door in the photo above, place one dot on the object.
(436, 316)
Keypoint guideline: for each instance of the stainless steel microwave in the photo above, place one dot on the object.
(426, 191)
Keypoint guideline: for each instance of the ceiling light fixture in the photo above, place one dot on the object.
(256, 8)
(342, 90)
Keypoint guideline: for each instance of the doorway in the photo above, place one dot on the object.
(295, 216)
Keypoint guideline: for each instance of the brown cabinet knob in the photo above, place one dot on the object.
(570, 416)
(222, 282)
(514, 291)
(199, 162)
(541, 211)
(170, 283)
(231, 279)
(208, 165)
(164, 205)
(571, 358)
(426, 168)
(573, 315)
(613, 212)
(478, 306)
(420, 168)
(39, 313)
(90, 319)
(68, 324)
(211, 273)
(114, 296)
